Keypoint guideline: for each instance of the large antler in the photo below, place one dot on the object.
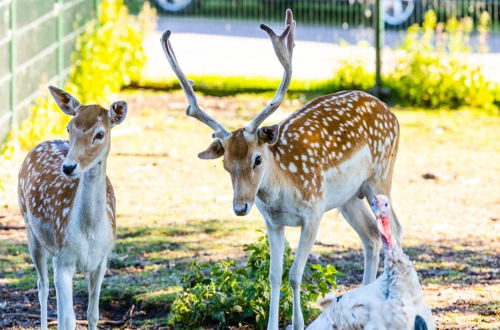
(193, 108)
(283, 47)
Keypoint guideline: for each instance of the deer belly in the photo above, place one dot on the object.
(343, 182)
(42, 231)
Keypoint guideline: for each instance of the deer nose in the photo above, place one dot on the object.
(68, 169)
(240, 208)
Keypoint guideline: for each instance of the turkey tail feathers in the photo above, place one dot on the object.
(420, 323)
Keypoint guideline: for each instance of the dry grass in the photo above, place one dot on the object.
(173, 207)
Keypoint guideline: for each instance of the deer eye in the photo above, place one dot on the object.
(99, 136)
(257, 161)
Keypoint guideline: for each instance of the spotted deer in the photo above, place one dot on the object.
(68, 205)
(333, 152)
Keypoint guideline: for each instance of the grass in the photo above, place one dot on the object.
(174, 208)
(215, 85)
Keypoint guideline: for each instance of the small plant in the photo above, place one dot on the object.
(432, 72)
(225, 294)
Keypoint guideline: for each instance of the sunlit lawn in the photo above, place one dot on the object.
(174, 208)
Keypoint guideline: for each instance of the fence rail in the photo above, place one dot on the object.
(36, 42)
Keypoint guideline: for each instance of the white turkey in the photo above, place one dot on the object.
(393, 301)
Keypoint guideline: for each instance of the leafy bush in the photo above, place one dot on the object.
(353, 75)
(224, 294)
(432, 71)
(46, 120)
(108, 55)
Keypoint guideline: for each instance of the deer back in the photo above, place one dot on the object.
(328, 131)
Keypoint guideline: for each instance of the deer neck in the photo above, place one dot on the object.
(273, 181)
(90, 199)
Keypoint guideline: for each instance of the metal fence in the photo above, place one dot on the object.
(36, 42)
(397, 14)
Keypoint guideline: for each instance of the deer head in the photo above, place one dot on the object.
(245, 151)
(89, 131)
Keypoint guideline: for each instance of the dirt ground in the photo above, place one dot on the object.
(173, 208)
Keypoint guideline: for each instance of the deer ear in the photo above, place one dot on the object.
(64, 100)
(118, 112)
(214, 150)
(268, 134)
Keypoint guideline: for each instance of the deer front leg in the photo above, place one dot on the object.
(307, 238)
(63, 278)
(94, 285)
(276, 238)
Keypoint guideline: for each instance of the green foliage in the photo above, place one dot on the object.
(483, 29)
(353, 75)
(45, 121)
(225, 294)
(433, 73)
(108, 55)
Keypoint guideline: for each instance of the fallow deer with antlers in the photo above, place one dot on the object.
(68, 206)
(331, 153)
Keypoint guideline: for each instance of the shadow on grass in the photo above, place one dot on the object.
(442, 263)
(144, 269)
(148, 264)
(463, 307)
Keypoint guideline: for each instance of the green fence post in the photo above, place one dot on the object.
(60, 43)
(12, 62)
(96, 10)
(379, 44)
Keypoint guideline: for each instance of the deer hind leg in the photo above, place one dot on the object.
(306, 242)
(94, 284)
(357, 214)
(39, 255)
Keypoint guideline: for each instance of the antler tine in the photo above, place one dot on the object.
(283, 47)
(193, 108)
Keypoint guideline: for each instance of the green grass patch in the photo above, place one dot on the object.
(160, 299)
(233, 85)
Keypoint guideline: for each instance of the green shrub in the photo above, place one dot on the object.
(225, 294)
(432, 72)
(108, 55)
(45, 121)
(353, 75)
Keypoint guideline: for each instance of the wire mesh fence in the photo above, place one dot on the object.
(36, 42)
(398, 14)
